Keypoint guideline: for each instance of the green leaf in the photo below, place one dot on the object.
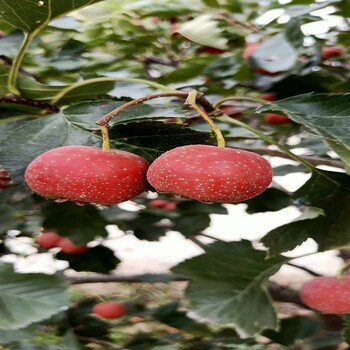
(324, 115)
(29, 15)
(81, 224)
(326, 197)
(271, 199)
(294, 330)
(98, 259)
(28, 298)
(11, 335)
(275, 55)
(228, 280)
(204, 30)
(346, 330)
(150, 139)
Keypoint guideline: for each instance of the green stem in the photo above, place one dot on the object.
(191, 101)
(16, 64)
(241, 98)
(105, 138)
(342, 270)
(269, 140)
(70, 88)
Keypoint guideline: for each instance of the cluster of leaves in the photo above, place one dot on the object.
(64, 65)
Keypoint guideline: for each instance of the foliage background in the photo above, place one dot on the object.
(64, 65)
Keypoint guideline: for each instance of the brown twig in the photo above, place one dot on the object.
(12, 98)
(314, 160)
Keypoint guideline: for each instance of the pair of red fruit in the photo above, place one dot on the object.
(51, 239)
(205, 173)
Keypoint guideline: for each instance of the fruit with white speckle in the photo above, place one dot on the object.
(86, 174)
(210, 174)
(328, 295)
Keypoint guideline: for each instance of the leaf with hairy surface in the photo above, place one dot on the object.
(326, 197)
(30, 15)
(229, 279)
(324, 115)
(28, 298)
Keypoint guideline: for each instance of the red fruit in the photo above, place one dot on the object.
(110, 309)
(210, 50)
(69, 247)
(269, 96)
(87, 175)
(163, 204)
(332, 51)
(48, 240)
(250, 49)
(210, 174)
(230, 111)
(276, 118)
(327, 294)
(5, 179)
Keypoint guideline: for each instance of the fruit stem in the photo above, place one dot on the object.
(105, 120)
(269, 140)
(241, 98)
(342, 269)
(191, 101)
(105, 138)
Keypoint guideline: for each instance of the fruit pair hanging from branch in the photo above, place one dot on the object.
(205, 173)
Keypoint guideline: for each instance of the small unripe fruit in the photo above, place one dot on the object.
(48, 240)
(210, 174)
(328, 295)
(68, 247)
(87, 175)
(110, 309)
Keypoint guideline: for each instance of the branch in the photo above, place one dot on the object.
(100, 342)
(314, 160)
(12, 98)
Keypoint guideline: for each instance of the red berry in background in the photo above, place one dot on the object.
(328, 295)
(269, 96)
(68, 247)
(250, 48)
(210, 174)
(332, 51)
(110, 309)
(5, 179)
(230, 111)
(87, 175)
(273, 118)
(163, 204)
(48, 240)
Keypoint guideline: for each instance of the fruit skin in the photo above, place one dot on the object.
(210, 174)
(273, 118)
(48, 240)
(69, 247)
(328, 295)
(87, 175)
(110, 309)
